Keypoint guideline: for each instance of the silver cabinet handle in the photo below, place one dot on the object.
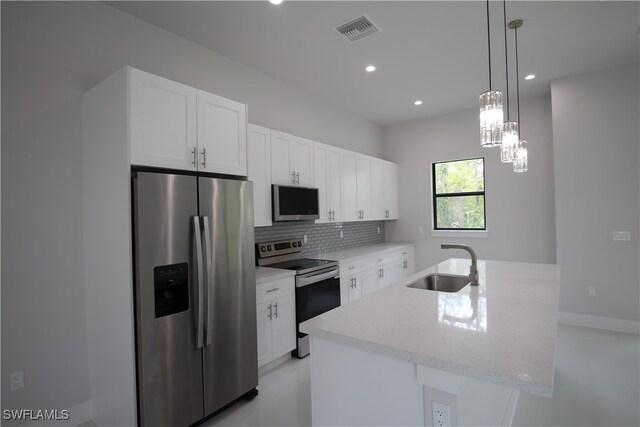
(351, 267)
(272, 290)
(297, 177)
(293, 177)
(209, 283)
(404, 253)
(383, 273)
(276, 304)
(380, 259)
(204, 158)
(405, 264)
(198, 240)
(270, 315)
(193, 159)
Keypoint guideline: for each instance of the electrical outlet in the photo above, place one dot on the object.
(623, 236)
(305, 239)
(16, 380)
(378, 230)
(421, 229)
(591, 291)
(441, 414)
(341, 234)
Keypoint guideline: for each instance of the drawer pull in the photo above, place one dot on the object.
(351, 267)
(380, 259)
(272, 290)
(404, 253)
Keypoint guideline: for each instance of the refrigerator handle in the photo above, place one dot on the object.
(209, 284)
(198, 239)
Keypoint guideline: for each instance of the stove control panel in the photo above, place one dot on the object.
(281, 247)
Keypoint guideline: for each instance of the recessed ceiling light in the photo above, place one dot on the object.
(530, 77)
(418, 102)
(370, 68)
(275, 1)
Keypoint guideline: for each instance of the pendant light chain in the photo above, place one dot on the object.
(489, 44)
(517, 78)
(506, 61)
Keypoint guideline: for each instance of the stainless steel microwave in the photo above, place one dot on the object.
(294, 203)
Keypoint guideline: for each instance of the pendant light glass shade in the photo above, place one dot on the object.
(509, 142)
(491, 117)
(521, 162)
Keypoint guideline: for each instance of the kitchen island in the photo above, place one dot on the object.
(404, 356)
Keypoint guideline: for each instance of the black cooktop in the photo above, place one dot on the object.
(305, 265)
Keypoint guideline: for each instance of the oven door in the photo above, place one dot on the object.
(316, 293)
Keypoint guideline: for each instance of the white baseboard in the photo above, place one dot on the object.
(599, 322)
(78, 414)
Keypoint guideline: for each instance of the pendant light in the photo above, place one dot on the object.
(509, 128)
(490, 107)
(521, 154)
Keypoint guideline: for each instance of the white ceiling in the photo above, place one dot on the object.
(433, 51)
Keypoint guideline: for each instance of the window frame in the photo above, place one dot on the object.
(435, 196)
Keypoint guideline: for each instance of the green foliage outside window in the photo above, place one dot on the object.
(458, 194)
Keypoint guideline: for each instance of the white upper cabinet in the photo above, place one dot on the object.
(163, 122)
(222, 135)
(378, 208)
(328, 180)
(384, 189)
(179, 127)
(291, 160)
(350, 186)
(281, 165)
(390, 190)
(259, 172)
(302, 161)
(364, 187)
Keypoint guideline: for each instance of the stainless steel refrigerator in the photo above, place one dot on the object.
(195, 296)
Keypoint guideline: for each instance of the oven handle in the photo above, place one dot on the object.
(304, 281)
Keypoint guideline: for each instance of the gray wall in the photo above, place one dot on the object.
(519, 207)
(51, 53)
(323, 238)
(596, 148)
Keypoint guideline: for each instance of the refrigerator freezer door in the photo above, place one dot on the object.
(230, 360)
(166, 287)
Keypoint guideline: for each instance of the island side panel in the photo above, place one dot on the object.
(351, 386)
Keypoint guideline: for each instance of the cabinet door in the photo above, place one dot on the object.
(355, 291)
(222, 135)
(163, 122)
(390, 190)
(281, 167)
(371, 279)
(302, 161)
(283, 325)
(349, 186)
(321, 180)
(378, 206)
(334, 182)
(265, 350)
(364, 186)
(391, 273)
(259, 171)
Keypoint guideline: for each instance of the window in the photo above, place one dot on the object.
(458, 195)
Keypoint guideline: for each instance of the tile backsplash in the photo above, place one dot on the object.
(323, 238)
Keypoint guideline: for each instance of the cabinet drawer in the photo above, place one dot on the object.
(275, 289)
(351, 267)
(384, 258)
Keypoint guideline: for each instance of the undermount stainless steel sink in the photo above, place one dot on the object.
(441, 282)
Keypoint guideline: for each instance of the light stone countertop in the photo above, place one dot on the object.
(266, 274)
(502, 331)
(360, 251)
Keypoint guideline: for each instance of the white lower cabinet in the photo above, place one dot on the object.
(276, 317)
(365, 275)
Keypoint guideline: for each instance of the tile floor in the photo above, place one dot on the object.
(597, 383)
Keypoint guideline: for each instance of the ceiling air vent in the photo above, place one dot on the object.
(358, 28)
